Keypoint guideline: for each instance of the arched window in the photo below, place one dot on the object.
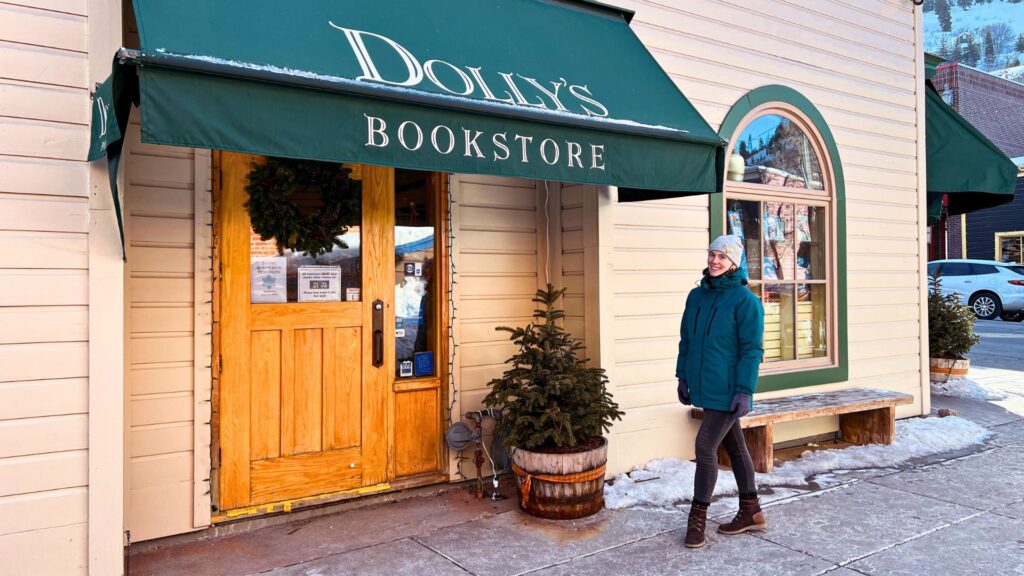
(779, 197)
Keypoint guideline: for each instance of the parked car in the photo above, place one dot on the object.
(992, 289)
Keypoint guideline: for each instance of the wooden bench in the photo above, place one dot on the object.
(866, 416)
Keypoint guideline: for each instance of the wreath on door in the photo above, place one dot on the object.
(275, 214)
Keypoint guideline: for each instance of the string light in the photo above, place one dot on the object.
(453, 391)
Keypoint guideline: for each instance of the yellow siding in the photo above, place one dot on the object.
(855, 62)
(160, 199)
(44, 280)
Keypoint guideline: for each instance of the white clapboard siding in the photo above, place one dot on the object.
(160, 230)
(499, 266)
(570, 227)
(856, 62)
(44, 282)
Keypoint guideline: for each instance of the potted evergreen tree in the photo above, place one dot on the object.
(555, 410)
(950, 334)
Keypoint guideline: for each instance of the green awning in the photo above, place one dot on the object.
(541, 89)
(962, 163)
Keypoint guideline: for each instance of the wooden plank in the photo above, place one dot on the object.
(27, 436)
(44, 139)
(160, 378)
(40, 510)
(161, 231)
(43, 28)
(161, 510)
(151, 350)
(160, 290)
(150, 320)
(160, 439)
(34, 552)
(348, 383)
(43, 176)
(36, 361)
(43, 213)
(160, 470)
(169, 172)
(235, 392)
(175, 260)
(77, 7)
(378, 282)
(295, 315)
(812, 405)
(44, 324)
(161, 408)
(869, 427)
(417, 433)
(43, 398)
(292, 477)
(265, 390)
(43, 250)
(44, 65)
(159, 202)
(41, 472)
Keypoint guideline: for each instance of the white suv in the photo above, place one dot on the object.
(992, 289)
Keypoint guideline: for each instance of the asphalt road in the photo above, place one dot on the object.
(1001, 346)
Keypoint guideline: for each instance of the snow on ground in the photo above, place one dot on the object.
(666, 482)
(965, 389)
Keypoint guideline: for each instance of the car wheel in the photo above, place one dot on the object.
(1012, 316)
(985, 305)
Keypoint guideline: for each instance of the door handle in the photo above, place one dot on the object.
(378, 333)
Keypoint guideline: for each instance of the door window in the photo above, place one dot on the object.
(280, 275)
(415, 273)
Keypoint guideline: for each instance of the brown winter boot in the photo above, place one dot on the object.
(695, 525)
(750, 517)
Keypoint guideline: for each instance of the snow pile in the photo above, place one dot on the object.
(667, 482)
(965, 389)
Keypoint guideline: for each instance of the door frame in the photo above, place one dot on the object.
(443, 307)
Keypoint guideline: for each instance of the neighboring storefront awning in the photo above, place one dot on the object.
(962, 163)
(541, 89)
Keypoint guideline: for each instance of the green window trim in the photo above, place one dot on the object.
(786, 95)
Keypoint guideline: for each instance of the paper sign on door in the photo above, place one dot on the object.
(269, 280)
(319, 283)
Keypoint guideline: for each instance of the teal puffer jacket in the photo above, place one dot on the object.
(721, 341)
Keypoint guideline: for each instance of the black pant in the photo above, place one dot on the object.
(721, 428)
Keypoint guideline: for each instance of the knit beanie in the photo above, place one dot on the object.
(731, 246)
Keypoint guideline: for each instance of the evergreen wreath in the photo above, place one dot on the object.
(275, 215)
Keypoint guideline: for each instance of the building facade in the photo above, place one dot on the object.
(113, 406)
(995, 106)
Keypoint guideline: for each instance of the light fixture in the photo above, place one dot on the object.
(947, 96)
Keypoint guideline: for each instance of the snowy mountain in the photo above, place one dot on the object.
(985, 34)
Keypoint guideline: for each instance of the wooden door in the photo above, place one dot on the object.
(303, 409)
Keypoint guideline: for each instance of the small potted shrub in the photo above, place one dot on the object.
(555, 412)
(950, 334)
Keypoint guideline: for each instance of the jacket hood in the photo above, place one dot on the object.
(728, 280)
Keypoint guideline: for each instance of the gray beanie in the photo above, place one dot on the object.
(731, 246)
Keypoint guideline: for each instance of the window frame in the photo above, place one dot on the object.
(824, 198)
(747, 107)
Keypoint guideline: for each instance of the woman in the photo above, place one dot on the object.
(720, 349)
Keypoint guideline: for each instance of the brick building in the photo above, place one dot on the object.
(995, 107)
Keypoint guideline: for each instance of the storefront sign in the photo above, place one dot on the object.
(319, 283)
(556, 95)
(268, 282)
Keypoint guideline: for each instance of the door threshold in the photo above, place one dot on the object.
(320, 500)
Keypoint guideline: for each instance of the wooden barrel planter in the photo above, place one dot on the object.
(946, 369)
(561, 486)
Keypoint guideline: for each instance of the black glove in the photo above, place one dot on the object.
(740, 404)
(683, 392)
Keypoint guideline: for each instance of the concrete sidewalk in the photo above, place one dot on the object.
(950, 514)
